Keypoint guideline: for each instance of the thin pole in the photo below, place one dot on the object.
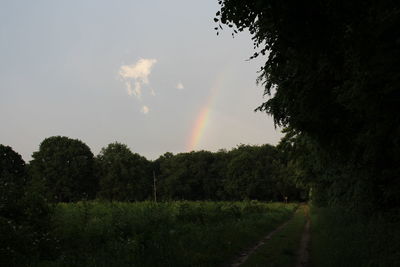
(154, 186)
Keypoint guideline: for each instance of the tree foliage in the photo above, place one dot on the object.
(24, 214)
(63, 170)
(332, 74)
(246, 172)
(13, 178)
(124, 176)
(65, 167)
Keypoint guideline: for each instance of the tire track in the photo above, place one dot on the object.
(245, 254)
(303, 252)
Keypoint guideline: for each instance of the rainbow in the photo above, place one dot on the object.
(203, 116)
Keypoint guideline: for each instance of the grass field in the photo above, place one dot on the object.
(159, 234)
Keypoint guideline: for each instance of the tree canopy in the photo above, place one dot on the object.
(24, 214)
(245, 172)
(332, 74)
(13, 178)
(66, 168)
(124, 176)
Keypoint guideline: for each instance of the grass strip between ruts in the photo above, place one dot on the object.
(281, 249)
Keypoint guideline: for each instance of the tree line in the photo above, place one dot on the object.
(65, 170)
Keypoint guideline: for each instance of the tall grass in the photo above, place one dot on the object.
(159, 234)
(281, 249)
(340, 237)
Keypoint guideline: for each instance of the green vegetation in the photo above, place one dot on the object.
(332, 74)
(123, 175)
(24, 213)
(159, 234)
(67, 171)
(65, 168)
(339, 238)
(64, 171)
(332, 77)
(281, 249)
(245, 172)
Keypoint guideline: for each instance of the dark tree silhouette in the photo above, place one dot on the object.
(13, 178)
(24, 214)
(246, 172)
(65, 167)
(332, 72)
(124, 176)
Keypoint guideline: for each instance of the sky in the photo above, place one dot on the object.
(151, 74)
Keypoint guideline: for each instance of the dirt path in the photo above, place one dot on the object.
(245, 254)
(303, 252)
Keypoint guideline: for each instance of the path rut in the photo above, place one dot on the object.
(303, 252)
(245, 254)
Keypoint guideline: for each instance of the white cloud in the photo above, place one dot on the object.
(145, 109)
(180, 86)
(137, 73)
(136, 92)
(129, 88)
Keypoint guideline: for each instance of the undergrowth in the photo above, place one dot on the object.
(159, 234)
(340, 237)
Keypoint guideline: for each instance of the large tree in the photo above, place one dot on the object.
(24, 215)
(332, 73)
(188, 176)
(124, 176)
(13, 178)
(65, 167)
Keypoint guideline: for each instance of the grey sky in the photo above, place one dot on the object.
(60, 64)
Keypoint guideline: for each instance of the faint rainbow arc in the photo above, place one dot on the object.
(203, 116)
